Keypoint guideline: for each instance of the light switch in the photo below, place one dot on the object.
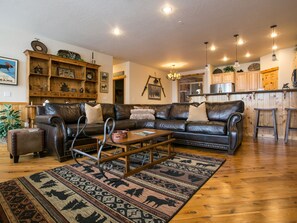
(7, 94)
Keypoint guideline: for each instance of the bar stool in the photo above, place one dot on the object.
(288, 123)
(257, 126)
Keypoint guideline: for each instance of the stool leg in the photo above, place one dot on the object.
(256, 124)
(287, 126)
(275, 126)
(16, 159)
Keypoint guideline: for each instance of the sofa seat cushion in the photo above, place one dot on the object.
(142, 124)
(211, 127)
(174, 125)
(125, 124)
(90, 129)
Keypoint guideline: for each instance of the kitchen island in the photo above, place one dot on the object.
(280, 99)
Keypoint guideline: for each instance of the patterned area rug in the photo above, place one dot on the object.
(79, 193)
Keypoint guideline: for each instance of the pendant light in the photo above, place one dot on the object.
(236, 64)
(206, 64)
(173, 75)
(274, 47)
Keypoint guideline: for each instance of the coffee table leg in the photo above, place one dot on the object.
(127, 160)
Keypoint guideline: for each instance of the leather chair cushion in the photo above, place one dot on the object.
(70, 113)
(174, 125)
(211, 127)
(220, 111)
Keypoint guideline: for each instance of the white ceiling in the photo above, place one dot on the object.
(153, 39)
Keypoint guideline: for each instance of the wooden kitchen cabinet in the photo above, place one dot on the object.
(223, 78)
(247, 81)
(270, 79)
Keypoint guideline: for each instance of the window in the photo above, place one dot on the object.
(190, 85)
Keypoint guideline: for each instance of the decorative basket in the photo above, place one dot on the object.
(118, 135)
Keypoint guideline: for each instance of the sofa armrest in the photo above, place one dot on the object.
(55, 132)
(235, 131)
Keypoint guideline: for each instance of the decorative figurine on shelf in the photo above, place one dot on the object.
(81, 90)
(64, 87)
(38, 69)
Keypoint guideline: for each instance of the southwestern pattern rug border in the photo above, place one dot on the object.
(79, 193)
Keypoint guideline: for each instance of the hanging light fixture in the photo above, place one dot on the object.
(274, 47)
(173, 75)
(236, 64)
(206, 64)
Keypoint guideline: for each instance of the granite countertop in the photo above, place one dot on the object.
(248, 92)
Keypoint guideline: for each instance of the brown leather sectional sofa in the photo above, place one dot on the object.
(223, 131)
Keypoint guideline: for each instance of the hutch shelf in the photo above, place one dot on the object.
(59, 79)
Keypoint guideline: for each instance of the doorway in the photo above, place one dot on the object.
(118, 91)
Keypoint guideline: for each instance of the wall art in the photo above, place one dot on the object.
(8, 71)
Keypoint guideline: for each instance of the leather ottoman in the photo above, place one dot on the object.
(23, 141)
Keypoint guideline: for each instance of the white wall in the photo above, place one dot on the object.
(285, 63)
(14, 42)
(135, 81)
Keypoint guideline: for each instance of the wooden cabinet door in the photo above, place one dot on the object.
(253, 80)
(229, 77)
(217, 78)
(270, 79)
(241, 83)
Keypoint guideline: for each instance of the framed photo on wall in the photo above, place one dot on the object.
(154, 92)
(103, 87)
(8, 71)
(104, 77)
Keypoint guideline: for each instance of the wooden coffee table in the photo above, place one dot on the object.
(128, 148)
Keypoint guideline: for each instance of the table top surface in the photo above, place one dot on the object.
(137, 136)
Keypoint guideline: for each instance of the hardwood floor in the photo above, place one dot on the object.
(257, 184)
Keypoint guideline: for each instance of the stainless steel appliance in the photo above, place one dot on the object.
(222, 88)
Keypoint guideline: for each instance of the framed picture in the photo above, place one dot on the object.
(103, 87)
(154, 92)
(8, 71)
(104, 77)
(65, 72)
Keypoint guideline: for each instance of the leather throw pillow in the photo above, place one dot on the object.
(197, 113)
(94, 114)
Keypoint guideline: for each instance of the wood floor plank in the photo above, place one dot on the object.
(257, 184)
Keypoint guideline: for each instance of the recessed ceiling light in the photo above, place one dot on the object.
(116, 31)
(213, 48)
(225, 58)
(247, 54)
(167, 10)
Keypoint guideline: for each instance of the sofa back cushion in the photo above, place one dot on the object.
(220, 111)
(161, 110)
(122, 111)
(70, 113)
(180, 110)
